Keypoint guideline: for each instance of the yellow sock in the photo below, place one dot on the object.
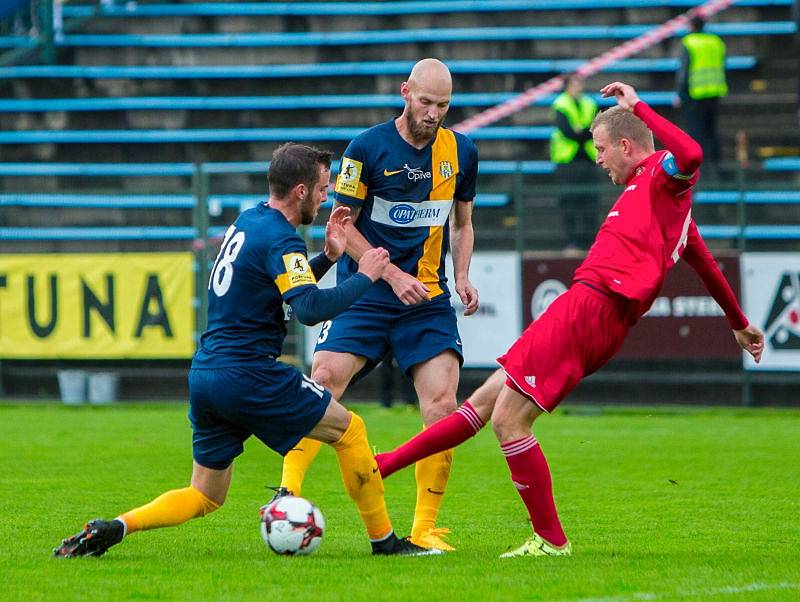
(169, 509)
(296, 463)
(432, 474)
(362, 479)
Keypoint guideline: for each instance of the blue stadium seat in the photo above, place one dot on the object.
(101, 233)
(366, 68)
(369, 8)
(233, 103)
(238, 135)
(171, 201)
(782, 164)
(398, 36)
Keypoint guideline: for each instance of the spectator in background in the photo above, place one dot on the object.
(573, 153)
(700, 84)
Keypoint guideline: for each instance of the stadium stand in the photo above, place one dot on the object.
(144, 135)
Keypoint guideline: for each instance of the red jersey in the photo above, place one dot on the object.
(650, 226)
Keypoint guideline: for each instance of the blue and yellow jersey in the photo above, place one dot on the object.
(261, 263)
(405, 195)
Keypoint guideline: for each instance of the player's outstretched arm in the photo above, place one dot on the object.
(407, 288)
(697, 255)
(312, 305)
(751, 339)
(624, 94)
(687, 152)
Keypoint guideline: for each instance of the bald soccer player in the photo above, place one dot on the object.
(409, 184)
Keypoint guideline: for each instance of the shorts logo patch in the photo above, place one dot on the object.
(531, 380)
(349, 176)
(298, 272)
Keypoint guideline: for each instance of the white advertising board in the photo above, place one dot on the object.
(498, 322)
(771, 300)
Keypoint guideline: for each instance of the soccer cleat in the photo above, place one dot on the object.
(97, 536)
(394, 546)
(433, 539)
(536, 546)
(279, 493)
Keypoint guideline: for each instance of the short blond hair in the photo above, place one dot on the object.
(621, 123)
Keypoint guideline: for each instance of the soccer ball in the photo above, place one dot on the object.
(291, 526)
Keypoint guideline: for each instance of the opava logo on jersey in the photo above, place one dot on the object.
(414, 174)
(782, 326)
(349, 176)
(402, 214)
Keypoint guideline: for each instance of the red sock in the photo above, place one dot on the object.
(444, 434)
(531, 476)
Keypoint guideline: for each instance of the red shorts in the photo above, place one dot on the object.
(580, 331)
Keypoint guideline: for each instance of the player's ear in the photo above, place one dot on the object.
(300, 190)
(404, 90)
(627, 147)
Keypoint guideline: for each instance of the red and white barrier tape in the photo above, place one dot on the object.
(555, 84)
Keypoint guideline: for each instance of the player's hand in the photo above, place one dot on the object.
(407, 288)
(373, 263)
(751, 339)
(469, 296)
(626, 96)
(336, 233)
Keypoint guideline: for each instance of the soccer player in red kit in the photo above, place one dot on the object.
(647, 231)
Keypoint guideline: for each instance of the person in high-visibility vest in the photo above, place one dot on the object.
(573, 153)
(700, 84)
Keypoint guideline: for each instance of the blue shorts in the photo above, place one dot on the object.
(273, 401)
(415, 333)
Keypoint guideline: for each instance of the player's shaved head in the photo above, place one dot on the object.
(431, 75)
(427, 95)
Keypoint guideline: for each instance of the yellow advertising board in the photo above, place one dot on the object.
(97, 306)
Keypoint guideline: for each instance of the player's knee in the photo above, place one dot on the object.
(325, 376)
(437, 407)
(505, 427)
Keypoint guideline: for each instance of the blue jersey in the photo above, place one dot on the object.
(405, 195)
(262, 262)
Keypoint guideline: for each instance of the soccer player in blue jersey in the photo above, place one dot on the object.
(237, 386)
(409, 183)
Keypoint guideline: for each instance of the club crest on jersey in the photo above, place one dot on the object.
(445, 169)
(639, 170)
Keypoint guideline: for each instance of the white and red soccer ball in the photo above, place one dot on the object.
(291, 526)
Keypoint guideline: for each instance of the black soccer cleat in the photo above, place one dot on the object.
(97, 536)
(394, 546)
(279, 493)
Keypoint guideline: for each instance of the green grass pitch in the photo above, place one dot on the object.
(660, 504)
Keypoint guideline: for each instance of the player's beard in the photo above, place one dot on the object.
(419, 131)
(308, 210)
